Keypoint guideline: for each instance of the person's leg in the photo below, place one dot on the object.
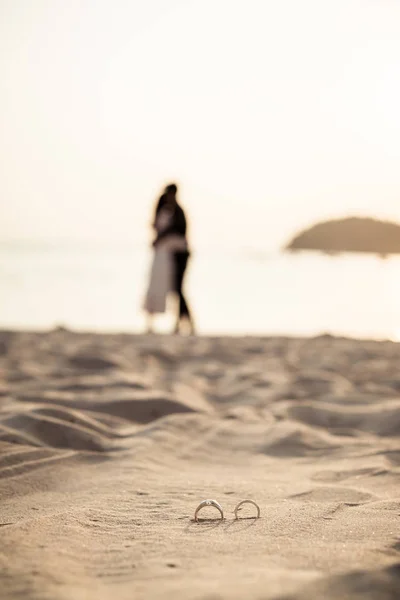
(181, 260)
(178, 282)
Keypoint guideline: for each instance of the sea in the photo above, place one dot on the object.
(100, 287)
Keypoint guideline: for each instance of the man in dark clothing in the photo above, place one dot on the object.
(177, 227)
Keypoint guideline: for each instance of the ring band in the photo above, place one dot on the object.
(247, 502)
(208, 503)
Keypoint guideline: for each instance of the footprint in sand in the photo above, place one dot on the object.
(333, 494)
(334, 476)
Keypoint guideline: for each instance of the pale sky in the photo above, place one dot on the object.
(269, 114)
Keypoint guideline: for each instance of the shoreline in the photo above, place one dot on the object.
(5, 330)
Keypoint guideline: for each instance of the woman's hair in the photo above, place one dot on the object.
(161, 202)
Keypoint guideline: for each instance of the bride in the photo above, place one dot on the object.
(162, 274)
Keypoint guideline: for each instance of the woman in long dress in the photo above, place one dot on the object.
(161, 272)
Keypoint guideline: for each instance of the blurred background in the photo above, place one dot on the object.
(270, 116)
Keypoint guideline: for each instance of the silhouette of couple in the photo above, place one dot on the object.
(170, 258)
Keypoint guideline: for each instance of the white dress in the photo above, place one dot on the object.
(162, 268)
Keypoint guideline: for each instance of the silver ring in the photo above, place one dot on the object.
(208, 503)
(247, 502)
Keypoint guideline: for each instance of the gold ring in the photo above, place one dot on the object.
(208, 503)
(247, 502)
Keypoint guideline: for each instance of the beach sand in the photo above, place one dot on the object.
(109, 442)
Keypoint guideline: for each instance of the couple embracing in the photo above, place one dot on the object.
(171, 254)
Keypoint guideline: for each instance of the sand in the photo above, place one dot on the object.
(109, 442)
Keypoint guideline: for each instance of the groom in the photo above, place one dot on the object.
(177, 227)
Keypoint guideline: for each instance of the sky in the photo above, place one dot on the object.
(269, 115)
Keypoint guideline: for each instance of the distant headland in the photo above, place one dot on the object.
(352, 234)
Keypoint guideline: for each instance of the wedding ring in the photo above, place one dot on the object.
(208, 503)
(247, 502)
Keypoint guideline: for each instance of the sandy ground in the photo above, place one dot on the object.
(109, 442)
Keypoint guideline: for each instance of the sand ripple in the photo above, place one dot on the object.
(107, 444)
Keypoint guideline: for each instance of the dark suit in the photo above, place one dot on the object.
(177, 226)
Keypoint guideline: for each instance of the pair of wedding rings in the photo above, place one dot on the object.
(217, 505)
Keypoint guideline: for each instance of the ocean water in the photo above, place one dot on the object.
(100, 287)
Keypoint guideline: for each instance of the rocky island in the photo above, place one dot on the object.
(352, 234)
